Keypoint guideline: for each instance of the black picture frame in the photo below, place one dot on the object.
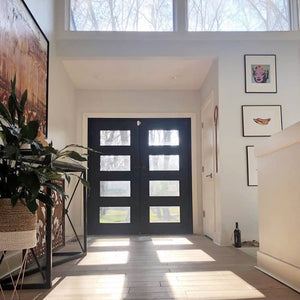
(251, 166)
(261, 120)
(260, 72)
(24, 52)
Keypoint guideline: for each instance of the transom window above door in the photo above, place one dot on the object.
(245, 15)
(183, 15)
(121, 15)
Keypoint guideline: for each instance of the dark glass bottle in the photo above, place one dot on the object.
(237, 236)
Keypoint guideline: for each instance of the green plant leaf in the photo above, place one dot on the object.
(23, 101)
(24, 178)
(67, 177)
(49, 150)
(15, 198)
(79, 146)
(55, 187)
(12, 134)
(52, 176)
(5, 113)
(12, 106)
(36, 147)
(13, 84)
(30, 131)
(13, 183)
(32, 206)
(31, 181)
(84, 182)
(45, 198)
(11, 151)
(21, 119)
(73, 155)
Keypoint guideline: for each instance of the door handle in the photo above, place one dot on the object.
(209, 175)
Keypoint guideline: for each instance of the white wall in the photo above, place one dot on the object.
(61, 108)
(239, 202)
(134, 104)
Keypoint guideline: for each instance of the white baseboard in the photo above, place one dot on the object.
(282, 271)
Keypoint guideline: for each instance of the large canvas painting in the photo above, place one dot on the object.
(24, 52)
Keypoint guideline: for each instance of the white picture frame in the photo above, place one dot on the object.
(260, 73)
(251, 166)
(261, 120)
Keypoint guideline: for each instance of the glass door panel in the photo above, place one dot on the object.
(166, 176)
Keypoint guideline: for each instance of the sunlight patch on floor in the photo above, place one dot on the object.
(189, 255)
(105, 258)
(56, 280)
(171, 241)
(89, 286)
(218, 285)
(110, 243)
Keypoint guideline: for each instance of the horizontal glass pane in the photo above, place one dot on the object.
(114, 137)
(164, 214)
(115, 189)
(163, 138)
(114, 215)
(232, 15)
(115, 163)
(164, 162)
(164, 188)
(121, 15)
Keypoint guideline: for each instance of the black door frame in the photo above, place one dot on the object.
(185, 226)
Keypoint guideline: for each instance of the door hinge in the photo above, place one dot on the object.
(202, 169)
(138, 123)
(203, 213)
(202, 125)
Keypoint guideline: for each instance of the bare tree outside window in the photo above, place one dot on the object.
(121, 15)
(238, 15)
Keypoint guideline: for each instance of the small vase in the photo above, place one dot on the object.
(17, 226)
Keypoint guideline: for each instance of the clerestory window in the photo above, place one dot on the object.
(239, 15)
(121, 15)
(200, 15)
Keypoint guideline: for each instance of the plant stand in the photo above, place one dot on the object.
(46, 268)
(20, 276)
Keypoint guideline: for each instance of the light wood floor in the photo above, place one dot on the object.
(161, 267)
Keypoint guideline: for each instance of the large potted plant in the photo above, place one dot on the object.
(27, 171)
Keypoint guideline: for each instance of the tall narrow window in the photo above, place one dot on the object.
(121, 15)
(238, 15)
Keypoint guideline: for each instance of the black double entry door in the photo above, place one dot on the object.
(141, 180)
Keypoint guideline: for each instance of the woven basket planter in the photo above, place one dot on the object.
(17, 226)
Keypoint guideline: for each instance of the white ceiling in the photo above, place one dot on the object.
(139, 74)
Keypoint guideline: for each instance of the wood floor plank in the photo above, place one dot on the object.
(161, 267)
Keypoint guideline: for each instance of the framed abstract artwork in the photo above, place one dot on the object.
(260, 73)
(251, 166)
(24, 53)
(261, 120)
